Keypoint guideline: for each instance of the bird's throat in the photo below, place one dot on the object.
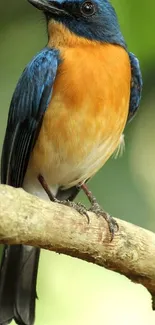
(60, 36)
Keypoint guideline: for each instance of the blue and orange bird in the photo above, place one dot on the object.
(66, 118)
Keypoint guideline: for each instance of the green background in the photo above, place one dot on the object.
(71, 291)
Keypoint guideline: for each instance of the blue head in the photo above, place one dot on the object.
(91, 19)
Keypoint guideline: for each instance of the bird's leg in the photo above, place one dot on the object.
(77, 206)
(95, 207)
(46, 187)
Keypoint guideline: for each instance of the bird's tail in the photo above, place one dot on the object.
(18, 275)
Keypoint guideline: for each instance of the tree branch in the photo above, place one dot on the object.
(25, 219)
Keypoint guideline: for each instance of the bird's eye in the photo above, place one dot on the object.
(87, 8)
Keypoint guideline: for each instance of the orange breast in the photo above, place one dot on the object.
(86, 116)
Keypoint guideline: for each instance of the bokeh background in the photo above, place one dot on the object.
(73, 292)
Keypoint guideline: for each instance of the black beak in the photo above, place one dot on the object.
(53, 7)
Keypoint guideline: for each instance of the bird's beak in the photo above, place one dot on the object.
(53, 7)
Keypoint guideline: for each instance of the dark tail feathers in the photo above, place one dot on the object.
(18, 275)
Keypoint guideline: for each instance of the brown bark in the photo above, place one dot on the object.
(29, 220)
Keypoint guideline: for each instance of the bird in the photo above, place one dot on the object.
(66, 118)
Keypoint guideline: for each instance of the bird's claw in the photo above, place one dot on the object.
(112, 223)
(79, 207)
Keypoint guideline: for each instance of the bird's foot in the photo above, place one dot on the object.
(96, 208)
(112, 224)
(79, 207)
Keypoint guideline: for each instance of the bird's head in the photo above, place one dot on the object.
(94, 20)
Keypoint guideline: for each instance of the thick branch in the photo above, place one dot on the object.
(32, 221)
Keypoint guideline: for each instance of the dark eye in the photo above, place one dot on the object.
(87, 8)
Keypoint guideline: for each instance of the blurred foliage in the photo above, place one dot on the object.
(72, 291)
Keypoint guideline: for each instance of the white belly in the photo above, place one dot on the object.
(67, 175)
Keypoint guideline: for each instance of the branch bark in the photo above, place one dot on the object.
(25, 219)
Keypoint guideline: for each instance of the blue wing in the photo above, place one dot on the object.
(136, 86)
(28, 105)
